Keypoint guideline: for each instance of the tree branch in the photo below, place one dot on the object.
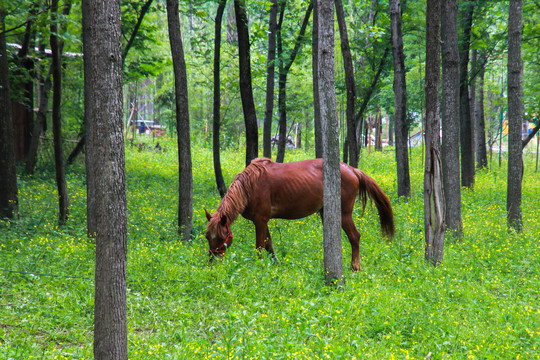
(144, 10)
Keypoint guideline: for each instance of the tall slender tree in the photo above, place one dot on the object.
(220, 182)
(315, 67)
(185, 179)
(466, 125)
(433, 183)
(400, 102)
(333, 263)
(105, 169)
(350, 111)
(515, 116)
(270, 80)
(450, 105)
(480, 122)
(284, 67)
(60, 166)
(246, 89)
(8, 166)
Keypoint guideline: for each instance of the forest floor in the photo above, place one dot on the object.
(483, 302)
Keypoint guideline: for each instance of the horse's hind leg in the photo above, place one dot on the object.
(348, 226)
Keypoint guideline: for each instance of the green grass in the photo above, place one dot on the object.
(482, 303)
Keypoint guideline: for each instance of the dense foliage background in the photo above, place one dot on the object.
(148, 73)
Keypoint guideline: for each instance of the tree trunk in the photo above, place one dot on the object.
(23, 108)
(315, 66)
(515, 109)
(480, 128)
(373, 85)
(333, 263)
(433, 182)
(60, 166)
(350, 85)
(282, 83)
(220, 182)
(44, 88)
(285, 66)
(40, 124)
(270, 80)
(185, 185)
(450, 117)
(8, 166)
(106, 172)
(466, 128)
(246, 91)
(400, 102)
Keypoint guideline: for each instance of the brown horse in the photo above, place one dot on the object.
(266, 190)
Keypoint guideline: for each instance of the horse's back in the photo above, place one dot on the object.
(295, 190)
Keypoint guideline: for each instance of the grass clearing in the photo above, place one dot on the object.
(482, 303)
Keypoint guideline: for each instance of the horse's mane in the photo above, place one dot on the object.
(240, 190)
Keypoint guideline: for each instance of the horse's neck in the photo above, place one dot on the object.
(230, 209)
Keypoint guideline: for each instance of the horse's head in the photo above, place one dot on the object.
(218, 234)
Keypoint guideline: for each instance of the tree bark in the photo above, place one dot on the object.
(270, 81)
(450, 106)
(349, 84)
(515, 120)
(480, 128)
(60, 166)
(315, 66)
(9, 207)
(185, 179)
(106, 173)
(23, 108)
(433, 183)
(246, 90)
(284, 67)
(44, 86)
(400, 102)
(333, 263)
(466, 128)
(220, 182)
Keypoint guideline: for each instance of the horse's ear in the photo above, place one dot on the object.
(223, 220)
(208, 215)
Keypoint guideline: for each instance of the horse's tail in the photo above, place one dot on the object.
(368, 187)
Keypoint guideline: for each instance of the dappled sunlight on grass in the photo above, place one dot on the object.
(482, 302)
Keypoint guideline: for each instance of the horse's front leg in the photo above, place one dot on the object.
(268, 242)
(263, 239)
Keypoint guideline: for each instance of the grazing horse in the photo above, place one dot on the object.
(266, 190)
